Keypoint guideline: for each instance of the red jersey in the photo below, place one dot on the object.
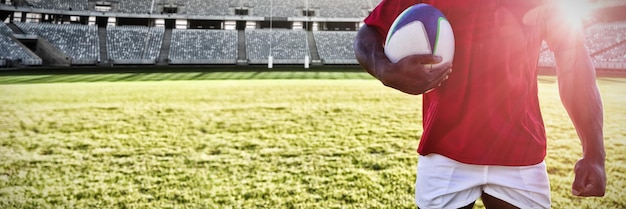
(487, 112)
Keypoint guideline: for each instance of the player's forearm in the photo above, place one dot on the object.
(585, 110)
(369, 52)
(581, 98)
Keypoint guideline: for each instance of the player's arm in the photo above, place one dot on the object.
(407, 75)
(581, 98)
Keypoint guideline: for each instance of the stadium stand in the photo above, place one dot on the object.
(58, 4)
(204, 7)
(188, 7)
(286, 46)
(135, 6)
(603, 35)
(327, 41)
(294, 8)
(335, 47)
(343, 9)
(546, 57)
(134, 44)
(267, 8)
(5, 30)
(12, 51)
(606, 42)
(80, 42)
(615, 54)
(195, 46)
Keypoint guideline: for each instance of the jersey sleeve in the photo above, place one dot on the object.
(562, 31)
(385, 13)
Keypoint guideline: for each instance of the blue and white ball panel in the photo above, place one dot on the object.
(420, 29)
(408, 40)
(428, 15)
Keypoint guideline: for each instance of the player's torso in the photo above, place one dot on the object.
(494, 29)
(491, 96)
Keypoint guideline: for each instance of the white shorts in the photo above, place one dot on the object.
(445, 183)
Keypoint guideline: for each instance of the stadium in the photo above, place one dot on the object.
(170, 104)
(220, 32)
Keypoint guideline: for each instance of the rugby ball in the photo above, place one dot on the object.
(420, 29)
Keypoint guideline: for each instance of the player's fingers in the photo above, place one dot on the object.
(437, 77)
(578, 185)
(592, 190)
(588, 182)
(589, 186)
(447, 75)
(441, 69)
(424, 59)
(589, 190)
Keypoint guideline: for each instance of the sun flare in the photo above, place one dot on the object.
(577, 10)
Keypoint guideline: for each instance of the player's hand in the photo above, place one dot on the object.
(410, 76)
(590, 179)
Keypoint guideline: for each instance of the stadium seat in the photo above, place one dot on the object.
(134, 44)
(335, 47)
(286, 46)
(616, 54)
(80, 42)
(602, 35)
(343, 9)
(135, 6)
(13, 51)
(204, 7)
(546, 57)
(59, 4)
(196, 46)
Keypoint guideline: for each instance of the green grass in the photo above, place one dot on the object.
(161, 76)
(340, 141)
(176, 74)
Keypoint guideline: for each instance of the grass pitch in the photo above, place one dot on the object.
(329, 140)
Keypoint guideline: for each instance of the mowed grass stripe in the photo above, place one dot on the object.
(8, 78)
(185, 76)
(22, 79)
(26, 79)
(81, 78)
